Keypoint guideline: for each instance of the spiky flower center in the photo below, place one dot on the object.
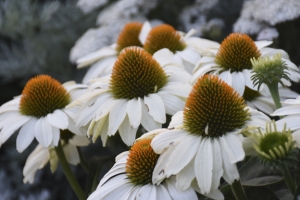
(213, 108)
(129, 36)
(235, 52)
(141, 162)
(274, 145)
(163, 36)
(136, 74)
(43, 95)
(269, 70)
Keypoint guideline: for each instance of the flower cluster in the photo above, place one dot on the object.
(189, 109)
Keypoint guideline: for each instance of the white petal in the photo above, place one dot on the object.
(134, 112)
(71, 154)
(147, 192)
(233, 147)
(177, 88)
(186, 176)
(162, 193)
(262, 44)
(58, 119)
(238, 82)
(26, 135)
(36, 160)
(227, 77)
(163, 56)
(144, 32)
(204, 166)
(147, 120)
(287, 110)
(230, 170)
(176, 194)
(127, 132)
(43, 132)
(172, 103)
(165, 139)
(116, 116)
(183, 154)
(217, 166)
(11, 125)
(177, 120)
(296, 137)
(56, 136)
(156, 107)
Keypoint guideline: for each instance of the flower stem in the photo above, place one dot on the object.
(288, 179)
(83, 163)
(238, 190)
(68, 173)
(275, 94)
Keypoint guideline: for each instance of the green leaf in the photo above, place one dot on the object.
(260, 193)
(262, 181)
(284, 194)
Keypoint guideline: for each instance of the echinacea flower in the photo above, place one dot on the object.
(232, 62)
(40, 112)
(102, 60)
(139, 92)
(203, 141)
(187, 50)
(40, 156)
(131, 178)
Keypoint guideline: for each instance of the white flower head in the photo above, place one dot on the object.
(140, 91)
(186, 49)
(131, 178)
(40, 112)
(102, 60)
(42, 155)
(232, 62)
(203, 142)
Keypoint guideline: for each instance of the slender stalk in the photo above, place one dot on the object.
(275, 94)
(288, 179)
(238, 190)
(68, 173)
(83, 163)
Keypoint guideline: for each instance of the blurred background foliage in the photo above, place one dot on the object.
(46, 37)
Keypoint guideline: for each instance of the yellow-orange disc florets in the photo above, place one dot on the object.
(129, 36)
(141, 162)
(136, 74)
(213, 108)
(163, 36)
(43, 95)
(235, 52)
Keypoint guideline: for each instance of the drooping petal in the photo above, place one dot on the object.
(186, 176)
(176, 194)
(71, 154)
(116, 116)
(233, 147)
(11, 125)
(134, 112)
(147, 120)
(58, 119)
(156, 107)
(127, 132)
(26, 135)
(204, 166)
(172, 103)
(182, 155)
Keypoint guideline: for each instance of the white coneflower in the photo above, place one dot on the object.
(102, 60)
(203, 142)
(131, 178)
(186, 49)
(40, 112)
(140, 91)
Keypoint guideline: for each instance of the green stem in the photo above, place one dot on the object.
(275, 94)
(238, 190)
(68, 173)
(288, 179)
(83, 163)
